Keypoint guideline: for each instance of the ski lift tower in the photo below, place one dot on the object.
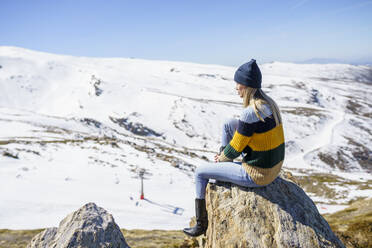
(141, 175)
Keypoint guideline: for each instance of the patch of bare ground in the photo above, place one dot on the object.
(304, 111)
(354, 151)
(158, 148)
(362, 154)
(157, 238)
(359, 107)
(323, 185)
(353, 225)
(16, 238)
(135, 238)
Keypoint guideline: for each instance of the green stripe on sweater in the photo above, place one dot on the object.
(266, 159)
(230, 152)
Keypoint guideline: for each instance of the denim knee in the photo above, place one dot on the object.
(200, 169)
(228, 123)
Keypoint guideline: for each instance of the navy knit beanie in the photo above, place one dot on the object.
(249, 74)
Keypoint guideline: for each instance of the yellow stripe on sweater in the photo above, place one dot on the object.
(267, 140)
(239, 141)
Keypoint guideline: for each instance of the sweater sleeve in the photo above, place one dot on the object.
(242, 136)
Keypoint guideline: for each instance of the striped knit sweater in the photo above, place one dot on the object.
(262, 142)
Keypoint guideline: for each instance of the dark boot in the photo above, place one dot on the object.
(201, 220)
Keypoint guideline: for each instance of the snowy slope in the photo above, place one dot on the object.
(78, 129)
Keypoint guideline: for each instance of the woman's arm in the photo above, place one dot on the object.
(242, 136)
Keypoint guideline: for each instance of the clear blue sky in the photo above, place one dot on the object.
(217, 32)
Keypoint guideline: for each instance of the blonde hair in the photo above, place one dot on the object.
(256, 98)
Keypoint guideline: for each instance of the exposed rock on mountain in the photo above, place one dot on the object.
(96, 82)
(279, 215)
(134, 127)
(90, 226)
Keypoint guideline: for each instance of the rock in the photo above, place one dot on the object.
(134, 127)
(90, 226)
(278, 215)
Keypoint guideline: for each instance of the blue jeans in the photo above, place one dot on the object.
(232, 172)
(228, 130)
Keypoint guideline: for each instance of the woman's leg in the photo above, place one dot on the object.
(226, 171)
(228, 130)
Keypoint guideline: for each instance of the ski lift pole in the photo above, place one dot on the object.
(141, 174)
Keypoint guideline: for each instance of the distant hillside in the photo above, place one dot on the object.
(336, 61)
(77, 129)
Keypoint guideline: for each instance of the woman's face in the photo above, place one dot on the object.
(240, 89)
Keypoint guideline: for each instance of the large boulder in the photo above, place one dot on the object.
(278, 215)
(90, 226)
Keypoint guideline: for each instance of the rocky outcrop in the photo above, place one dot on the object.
(89, 227)
(278, 215)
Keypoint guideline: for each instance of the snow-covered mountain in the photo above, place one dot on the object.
(77, 129)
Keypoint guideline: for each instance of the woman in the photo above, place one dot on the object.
(257, 135)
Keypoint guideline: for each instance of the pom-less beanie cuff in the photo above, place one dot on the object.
(249, 75)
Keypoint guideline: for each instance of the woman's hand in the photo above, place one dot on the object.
(217, 158)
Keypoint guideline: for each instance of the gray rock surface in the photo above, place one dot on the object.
(90, 226)
(278, 215)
